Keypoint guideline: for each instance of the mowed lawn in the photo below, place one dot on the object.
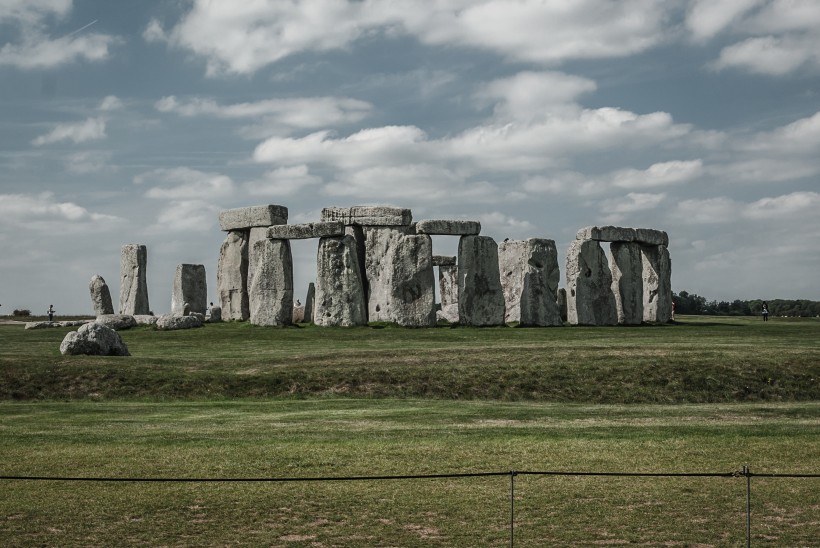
(473, 401)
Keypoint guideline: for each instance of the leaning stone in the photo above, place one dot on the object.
(243, 218)
(310, 302)
(41, 325)
(145, 319)
(448, 290)
(657, 284)
(368, 215)
(216, 314)
(339, 290)
(100, 296)
(627, 284)
(606, 234)
(529, 277)
(648, 236)
(117, 322)
(94, 339)
(306, 231)
(133, 281)
(169, 322)
(480, 298)
(270, 283)
(590, 300)
(232, 276)
(190, 288)
(443, 260)
(448, 228)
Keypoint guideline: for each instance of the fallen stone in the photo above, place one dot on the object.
(648, 236)
(480, 297)
(627, 283)
(232, 276)
(606, 234)
(243, 218)
(169, 322)
(310, 301)
(529, 278)
(306, 231)
(657, 284)
(100, 296)
(94, 339)
(133, 281)
(270, 283)
(339, 290)
(369, 215)
(117, 322)
(145, 319)
(443, 260)
(590, 300)
(216, 314)
(448, 290)
(73, 323)
(448, 228)
(190, 290)
(41, 325)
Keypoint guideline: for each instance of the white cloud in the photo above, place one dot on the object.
(632, 202)
(89, 162)
(89, 130)
(660, 174)
(771, 55)
(185, 216)
(109, 103)
(785, 207)
(41, 210)
(718, 210)
(186, 184)
(706, 18)
(535, 95)
(284, 181)
(498, 223)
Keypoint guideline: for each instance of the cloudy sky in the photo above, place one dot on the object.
(136, 122)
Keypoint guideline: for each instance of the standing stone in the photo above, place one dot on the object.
(270, 283)
(100, 296)
(190, 290)
(133, 282)
(562, 303)
(216, 314)
(657, 284)
(339, 292)
(627, 283)
(310, 302)
(529, 278)
(480, 299)
(448, 289)
(590, 300)
(232, 276)
(298, 313)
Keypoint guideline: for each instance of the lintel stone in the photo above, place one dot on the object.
(443, 260)
(243, 218)
(369, 215)
(448, 228)
(648, 236)
(306, 231)
(606, 234)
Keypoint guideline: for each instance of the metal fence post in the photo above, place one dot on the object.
(512, 508)
(748, 474)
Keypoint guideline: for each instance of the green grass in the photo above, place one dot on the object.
(705, 360)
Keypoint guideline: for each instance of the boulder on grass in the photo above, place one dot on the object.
(94, 339)
(169, 322)
(117, 322)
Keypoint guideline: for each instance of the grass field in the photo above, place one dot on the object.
(234, 401)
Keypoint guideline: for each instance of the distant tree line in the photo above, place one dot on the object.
(690, 303)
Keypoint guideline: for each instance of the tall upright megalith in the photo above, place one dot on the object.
(657, 284)
(100, 296)
(447, 287)
(133, 281)
(190, 290)
(310, 301)
(529, 278)
(270, 283)
(480, 298)
(590, 300)
(339, 292)
(232, 276)
(627, 282)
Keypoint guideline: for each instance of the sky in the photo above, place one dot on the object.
(137, 122)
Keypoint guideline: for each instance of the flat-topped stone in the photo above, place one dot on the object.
(306, 231)
(443, 260)
(648, 236)
(242, 218)
(369, 215)
(606, 234)
(448, 228)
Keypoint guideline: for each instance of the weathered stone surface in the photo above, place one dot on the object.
(216, 314)
(41, 325)
(133, 281)
(369, 215)
(73, 323)
(117, 322)
(448, 290)
(169, 322)
(146, 319)
(100, 296)
(270, 282)
(298, 313)
(243, 218)
(448, 228)
(562, 303)
(648, 236)
(339, 290)
(310, 302)
(443, 260)
(399, 274)
(306, 231)
(627, 282)
(190, 290)
(529, 278)
(232, 276)
(590, 300)
(94, 339)
(480, 297)
(606, 234)
(657, 284)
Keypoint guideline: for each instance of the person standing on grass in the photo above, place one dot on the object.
(765, 312)
(50, 312)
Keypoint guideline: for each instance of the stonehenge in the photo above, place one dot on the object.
(529, 278)
(190, 290)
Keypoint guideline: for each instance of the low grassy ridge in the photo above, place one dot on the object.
(699, 359)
